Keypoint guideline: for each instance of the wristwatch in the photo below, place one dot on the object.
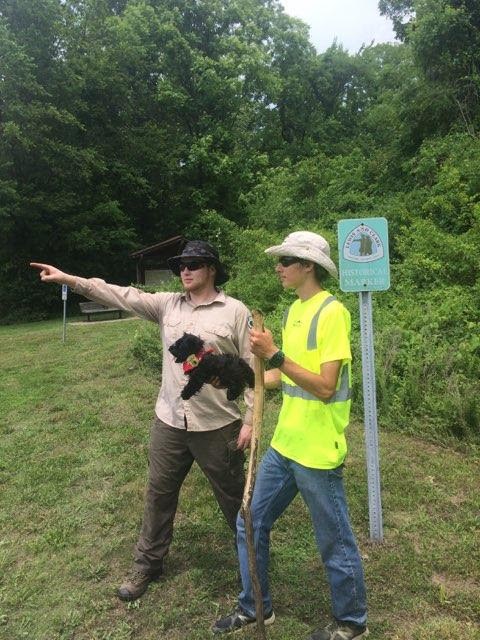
(276, 360)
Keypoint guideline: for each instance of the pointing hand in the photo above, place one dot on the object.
(48, 273)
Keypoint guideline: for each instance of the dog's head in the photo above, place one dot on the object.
(185, 346)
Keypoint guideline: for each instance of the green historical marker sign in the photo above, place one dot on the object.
(365, 267)
(363, 254)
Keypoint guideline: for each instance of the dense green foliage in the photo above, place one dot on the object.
(126, 121)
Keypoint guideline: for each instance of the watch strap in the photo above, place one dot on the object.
(277, 359)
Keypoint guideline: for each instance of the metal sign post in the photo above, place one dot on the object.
(64, 298)
(370, 413)
(364, 267)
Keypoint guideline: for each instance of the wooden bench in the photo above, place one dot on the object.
(90, 308)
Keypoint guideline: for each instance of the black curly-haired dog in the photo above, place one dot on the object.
(202, 366)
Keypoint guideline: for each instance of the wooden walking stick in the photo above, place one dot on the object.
(258, 401)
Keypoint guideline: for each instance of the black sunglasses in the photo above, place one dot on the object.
(195, 265)
(286, 261)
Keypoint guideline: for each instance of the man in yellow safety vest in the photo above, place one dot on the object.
(308, 448)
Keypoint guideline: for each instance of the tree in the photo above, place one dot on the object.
(401, 13)
(446, 45)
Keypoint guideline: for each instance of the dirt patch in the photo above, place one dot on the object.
(453, 585)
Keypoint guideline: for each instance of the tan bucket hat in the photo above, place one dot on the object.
(307, 245)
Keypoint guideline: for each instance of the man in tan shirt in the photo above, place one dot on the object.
(206, 428)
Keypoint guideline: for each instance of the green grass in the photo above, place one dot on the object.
(74, 429)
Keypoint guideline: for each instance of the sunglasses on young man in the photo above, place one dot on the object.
(287, 261)
(194, 265)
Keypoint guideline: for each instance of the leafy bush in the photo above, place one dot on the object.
(428, 364)
(253, 278)
(214, 228)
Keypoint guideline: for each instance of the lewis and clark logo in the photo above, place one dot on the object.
(363, 254)
(363, 244)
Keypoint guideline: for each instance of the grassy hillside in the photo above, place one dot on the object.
(73, 457)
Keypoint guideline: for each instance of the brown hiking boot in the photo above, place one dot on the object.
(135, 584)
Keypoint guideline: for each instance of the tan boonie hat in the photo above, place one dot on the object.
(307, 245)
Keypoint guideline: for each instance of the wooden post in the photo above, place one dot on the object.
(250, 482)
(140, 270)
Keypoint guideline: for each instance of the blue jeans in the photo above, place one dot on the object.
(278, 481)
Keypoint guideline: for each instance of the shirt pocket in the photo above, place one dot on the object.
(172, 330)
(219, 337)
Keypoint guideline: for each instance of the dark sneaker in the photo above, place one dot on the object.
(237, 620)
(340, 631)
(135, 584)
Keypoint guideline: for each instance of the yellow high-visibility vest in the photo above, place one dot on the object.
(309, 430)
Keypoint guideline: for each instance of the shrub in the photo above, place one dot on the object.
(253, 278)
(214, 228)
(428, 364)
